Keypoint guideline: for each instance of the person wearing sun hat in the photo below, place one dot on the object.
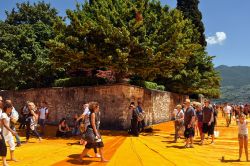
(189, 122)
(179, 121)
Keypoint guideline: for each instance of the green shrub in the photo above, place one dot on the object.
(161, 87)
(150, 85)
(78, 81)
(138, 81)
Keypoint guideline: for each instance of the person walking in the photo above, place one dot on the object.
(43, 113)
(93, 128)
(85, 118)
(31, 122)
(189, 122)
(7, 131)
(3, 147)
(13, 119)
(227, 111)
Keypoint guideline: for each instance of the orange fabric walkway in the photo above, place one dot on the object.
(150, 149)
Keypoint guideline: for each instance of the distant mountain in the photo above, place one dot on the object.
(235, 84)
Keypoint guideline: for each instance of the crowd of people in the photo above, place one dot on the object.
(31, 116)
(189, 118)
(194, 117)
(28, 117)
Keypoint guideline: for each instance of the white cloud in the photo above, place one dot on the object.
(218, 38)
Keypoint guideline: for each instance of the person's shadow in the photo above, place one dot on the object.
(229, 160)
(74, 160)
(176, 146)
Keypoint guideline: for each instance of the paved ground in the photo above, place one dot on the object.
(150, 149)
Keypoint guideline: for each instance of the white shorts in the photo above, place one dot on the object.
(11, 144)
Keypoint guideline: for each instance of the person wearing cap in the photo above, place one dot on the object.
(208, 121)
(189, 122)
(179, 121)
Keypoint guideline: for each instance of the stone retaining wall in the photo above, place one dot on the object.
(114, 101)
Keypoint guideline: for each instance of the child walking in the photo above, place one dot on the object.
(243, 135)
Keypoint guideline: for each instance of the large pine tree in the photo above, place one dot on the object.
(191, 11)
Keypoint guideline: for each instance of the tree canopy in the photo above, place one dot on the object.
(190, 10)
(127, 39)
(23, 55)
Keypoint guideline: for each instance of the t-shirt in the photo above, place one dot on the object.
(189, 113)
(242, 128)
(227, 109)
(199, 116)
(86, 114)
(140, 109)
(14, 114)
(6, 133)
(179, 115)
(207, 114)
(175, 112)
(43, 111)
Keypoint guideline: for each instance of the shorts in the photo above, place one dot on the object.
(208, 129)
(189, 132)
(243, 136)
(227, 116)
(94, 145)
(11, 144)
(3, 148)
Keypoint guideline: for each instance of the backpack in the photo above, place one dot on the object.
(140, 115)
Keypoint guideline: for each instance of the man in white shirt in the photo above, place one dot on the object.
(43, 116)
(227, 111)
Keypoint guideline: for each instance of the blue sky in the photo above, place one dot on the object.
(226, 22)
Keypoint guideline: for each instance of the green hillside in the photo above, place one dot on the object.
(235, 84)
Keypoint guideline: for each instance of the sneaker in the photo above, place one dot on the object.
(97, 155)
(212, 143)
(187, 146)
(191, 146)
(201, 143)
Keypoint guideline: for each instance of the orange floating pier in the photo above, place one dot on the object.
(149, 149)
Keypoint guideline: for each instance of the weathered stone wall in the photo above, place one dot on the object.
(114, 101)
